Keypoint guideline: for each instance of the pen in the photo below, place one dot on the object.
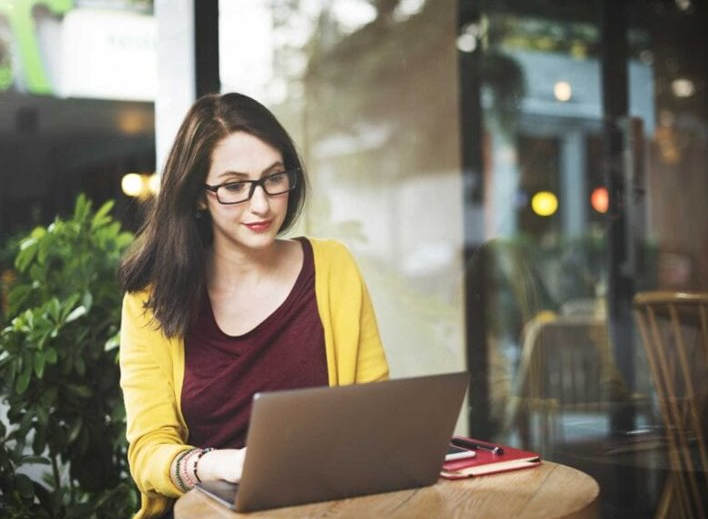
(469, 444)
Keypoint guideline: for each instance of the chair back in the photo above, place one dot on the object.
(674, 332)
(565, 360)
(565, 368)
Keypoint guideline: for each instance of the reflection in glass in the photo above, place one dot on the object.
(368, 90)
(376, 92)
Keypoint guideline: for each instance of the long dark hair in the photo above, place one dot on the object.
(169, 252)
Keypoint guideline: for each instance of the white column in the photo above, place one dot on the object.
(176, 84)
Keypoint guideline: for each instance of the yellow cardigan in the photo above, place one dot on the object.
(152, 369)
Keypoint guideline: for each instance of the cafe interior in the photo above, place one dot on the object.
(523, 183)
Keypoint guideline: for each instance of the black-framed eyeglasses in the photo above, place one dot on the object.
(240, 191)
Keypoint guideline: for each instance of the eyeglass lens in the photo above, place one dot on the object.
(241, 191)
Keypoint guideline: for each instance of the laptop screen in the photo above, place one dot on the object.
(317, 444)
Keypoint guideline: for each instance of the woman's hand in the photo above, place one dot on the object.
(224, 464)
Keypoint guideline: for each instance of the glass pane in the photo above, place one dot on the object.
(369, 92)
(544, 245)
(574, 227)
(464, 153)
(676, 169)
(671, 193)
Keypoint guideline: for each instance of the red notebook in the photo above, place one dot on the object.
(486, 462)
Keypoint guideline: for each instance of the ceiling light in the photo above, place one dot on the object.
(132, 184)
(683, 87)
(562, 91)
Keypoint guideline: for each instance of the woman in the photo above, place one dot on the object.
(218, 306)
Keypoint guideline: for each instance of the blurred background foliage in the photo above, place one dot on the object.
(62, 446)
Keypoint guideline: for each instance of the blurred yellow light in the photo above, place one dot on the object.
(544, 203)
(134, 122)
(132, 184)
(139, 185)
(600, 200)
(578, 50)
(562, 91)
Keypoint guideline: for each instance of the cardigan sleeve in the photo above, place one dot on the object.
(155, 430)
(371, 360)
(355, 353)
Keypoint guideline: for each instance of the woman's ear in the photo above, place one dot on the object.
(200, 208)
(201, 203)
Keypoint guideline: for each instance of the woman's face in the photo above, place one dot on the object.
(253, 224)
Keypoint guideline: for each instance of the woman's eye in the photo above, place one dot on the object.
(235, 187)
(277, 179)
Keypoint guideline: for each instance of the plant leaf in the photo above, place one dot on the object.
(24, 379)
(39, 442)
(102, 215)
(28, 249)
(50, 355)
(75, 430)
(24, 486)
(39, 360)
(80, 391)
(77, 312)
(112, 343)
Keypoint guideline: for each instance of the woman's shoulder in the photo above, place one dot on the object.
(138, 320)
(138, 296)
(333, 257)
(136, 303)
(328, 247)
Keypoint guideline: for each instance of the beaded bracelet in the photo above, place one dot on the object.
(178, 479)
(184, 467)
(196, 463)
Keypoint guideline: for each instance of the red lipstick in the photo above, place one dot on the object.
(259, 226)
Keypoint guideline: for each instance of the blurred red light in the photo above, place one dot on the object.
(600, 200)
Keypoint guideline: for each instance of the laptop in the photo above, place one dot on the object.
(324, 443)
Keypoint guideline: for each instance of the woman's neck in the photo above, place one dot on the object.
(234, 268)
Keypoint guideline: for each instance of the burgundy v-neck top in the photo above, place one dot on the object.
(222, 372)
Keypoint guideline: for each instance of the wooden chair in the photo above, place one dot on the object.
(674, 331)
(566, 370)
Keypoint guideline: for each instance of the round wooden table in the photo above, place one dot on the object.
(549, 491)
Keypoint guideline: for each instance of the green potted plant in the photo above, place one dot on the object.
(62, 442)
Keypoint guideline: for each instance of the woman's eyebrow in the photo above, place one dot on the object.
(273, 166)
(245, 176)
(230, 174)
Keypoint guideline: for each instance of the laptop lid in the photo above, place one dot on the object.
(318, 444)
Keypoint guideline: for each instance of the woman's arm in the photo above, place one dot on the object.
(196, 465)
(355, 353)
(372, 365)
(151, 376)
(155, 430)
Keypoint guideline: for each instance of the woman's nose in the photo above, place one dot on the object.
(259, 200)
